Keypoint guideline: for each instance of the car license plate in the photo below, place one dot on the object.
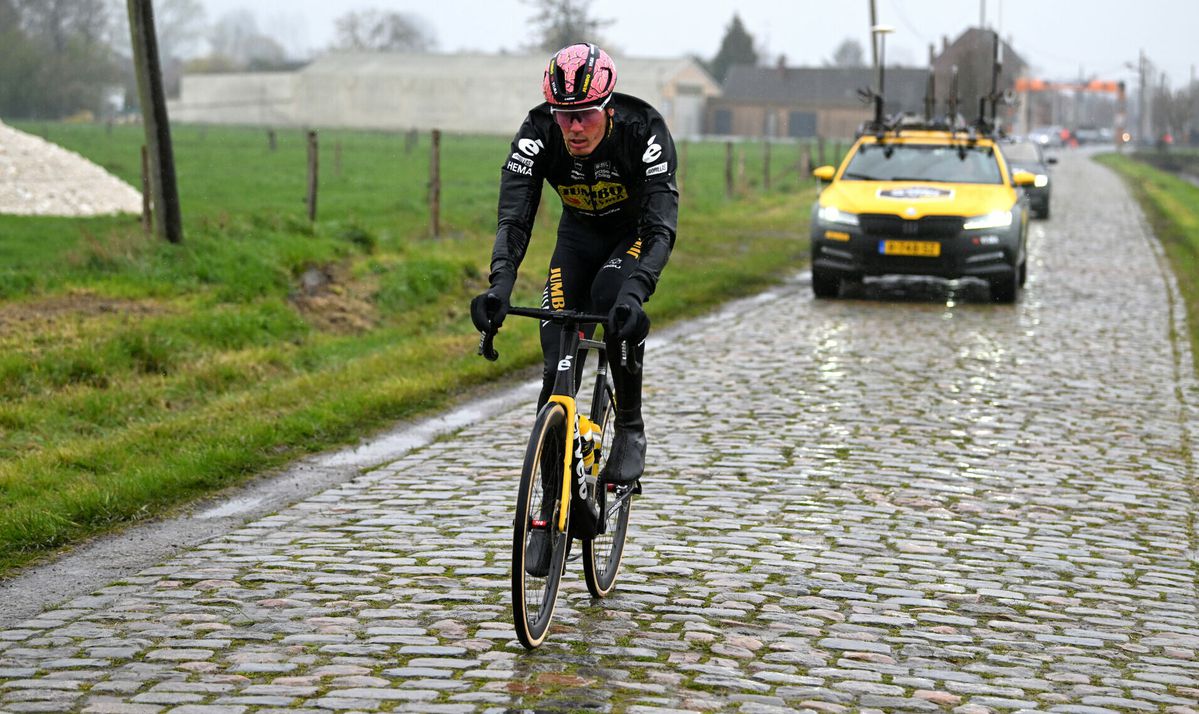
(920, 248)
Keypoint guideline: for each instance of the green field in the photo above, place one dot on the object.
(137, 375)
(1171, 205)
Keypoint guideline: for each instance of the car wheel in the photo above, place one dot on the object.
(825, 284)
(1023, 273)
(1044, 212)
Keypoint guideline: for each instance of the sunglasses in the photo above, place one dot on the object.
(588, 117)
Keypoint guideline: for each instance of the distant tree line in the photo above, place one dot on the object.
(56, 57)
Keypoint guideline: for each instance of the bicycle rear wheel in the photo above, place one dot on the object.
(538, 547)
(603, 553)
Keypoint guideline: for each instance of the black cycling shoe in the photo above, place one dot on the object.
(626, 460)
(538, 552)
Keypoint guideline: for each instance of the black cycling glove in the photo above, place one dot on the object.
(488, 309)
(628, 320)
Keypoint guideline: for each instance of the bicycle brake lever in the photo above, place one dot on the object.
(628, 358)
(486, 348)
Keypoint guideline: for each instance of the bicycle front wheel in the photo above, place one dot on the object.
(603, 553)
(538, 547)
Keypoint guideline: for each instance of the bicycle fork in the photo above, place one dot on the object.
(579, 477)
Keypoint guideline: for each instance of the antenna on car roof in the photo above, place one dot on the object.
(930, 97)
(987, 120)
(953, 97)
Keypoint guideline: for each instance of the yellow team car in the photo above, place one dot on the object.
(921, 201)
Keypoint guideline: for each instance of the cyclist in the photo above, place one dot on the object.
(611, 160)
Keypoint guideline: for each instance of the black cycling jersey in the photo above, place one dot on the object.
(626, 186)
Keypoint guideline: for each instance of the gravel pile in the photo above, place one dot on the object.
(38, 178)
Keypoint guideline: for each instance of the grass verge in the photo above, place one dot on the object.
(1171, 206)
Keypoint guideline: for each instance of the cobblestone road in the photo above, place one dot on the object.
(909, 499)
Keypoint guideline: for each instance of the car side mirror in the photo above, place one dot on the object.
(1051, 160)
(824, 173)
(1024, 178)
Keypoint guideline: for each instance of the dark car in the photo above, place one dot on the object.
(1030, 157)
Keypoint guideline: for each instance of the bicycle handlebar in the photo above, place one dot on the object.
(487, 339)
(559, 316)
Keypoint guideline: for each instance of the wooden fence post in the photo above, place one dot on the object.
(766, 167)
(741, 151)
(147, 205)
(271, 143)
(820, 150)
(683, 166)
(728, 169)
(805, 162)
(313, 169)
(435, 183)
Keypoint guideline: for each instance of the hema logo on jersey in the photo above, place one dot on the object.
(519, 169)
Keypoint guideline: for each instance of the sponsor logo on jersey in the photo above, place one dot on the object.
(635, 249)
(519, 169)
(523, 159)
(530, 147)
(654, 152)
(594, 198)
(656, 169)
(556, 293)
(604, 170)
(613, 264)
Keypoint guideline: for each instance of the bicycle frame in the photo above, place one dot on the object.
(564, 390)
(570, 342)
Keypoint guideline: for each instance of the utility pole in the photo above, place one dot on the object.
(1142, 132)
(873, 37)
(147, 65)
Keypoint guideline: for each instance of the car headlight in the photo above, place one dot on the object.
(994, 219)
(1042, 181)
(832, 214)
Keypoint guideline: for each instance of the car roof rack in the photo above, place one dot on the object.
(985, 125)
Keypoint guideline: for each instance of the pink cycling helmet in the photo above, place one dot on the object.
(579, 75)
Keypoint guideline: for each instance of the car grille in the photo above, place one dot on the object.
(927, 227)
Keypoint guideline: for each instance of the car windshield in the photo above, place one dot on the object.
(923, 162)
(1022, 153)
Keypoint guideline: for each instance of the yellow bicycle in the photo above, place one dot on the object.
(561, 497)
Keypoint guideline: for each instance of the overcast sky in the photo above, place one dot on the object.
(1059, 38)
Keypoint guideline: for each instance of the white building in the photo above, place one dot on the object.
(465, 93)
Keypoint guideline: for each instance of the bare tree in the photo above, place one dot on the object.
(558, 23)
(236, 42)
(377, 31)
(58, 22)
(180, 24)
(54, 57)
(848, 54)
